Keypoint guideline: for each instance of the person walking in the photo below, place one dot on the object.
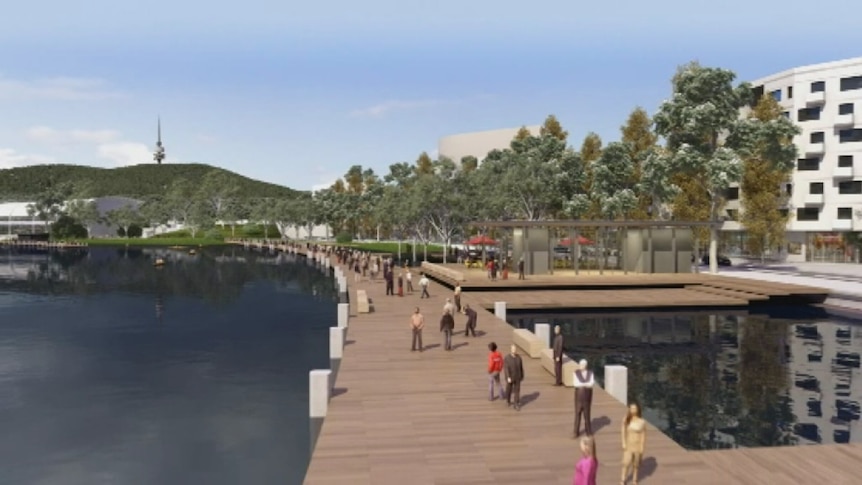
(558, 356)
(514, 368)
(400, 283)
(521, 269)
(423, 283)
(409, 278)
(449, 307)
(588, 466)
(458, 297)
(634, 439)
(417, 323)
(447, 325)
(584, 382)
(390, 284)
(495, 366)
(472, 316)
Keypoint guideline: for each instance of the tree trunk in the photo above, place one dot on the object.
(426, 251)
(399, 250)
(713, 248)
(233, 230)
(446, 250)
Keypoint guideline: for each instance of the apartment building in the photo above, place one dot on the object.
(825, 191)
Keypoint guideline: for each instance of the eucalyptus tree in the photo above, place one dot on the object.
(181, 200)
(51, 201)
(641, 139)
(265, 211)
(701, 125)
(372, 193)
(445, 195)
(85, 212)
(285, 215)
(656, 183)
(124, 217)
(613, 185)
(219, 191)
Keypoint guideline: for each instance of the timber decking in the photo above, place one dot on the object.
(604, 299)
(401, 417)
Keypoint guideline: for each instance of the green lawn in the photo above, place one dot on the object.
(391, 247)
(153, 241)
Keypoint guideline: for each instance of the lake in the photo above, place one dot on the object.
(712, 380)
(115, 371)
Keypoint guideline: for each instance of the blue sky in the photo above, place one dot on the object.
(297, 93)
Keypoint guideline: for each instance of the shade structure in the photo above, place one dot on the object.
(581, 240)
(481, 240)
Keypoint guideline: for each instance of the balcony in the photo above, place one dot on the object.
(842, 172)
(815, 149)
(845, 120)
(814, 99)
(842, 225)
(813, 199)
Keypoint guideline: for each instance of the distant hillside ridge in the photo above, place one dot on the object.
(137, 181)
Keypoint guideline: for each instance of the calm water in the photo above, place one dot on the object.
(729, 380)
(113, 371)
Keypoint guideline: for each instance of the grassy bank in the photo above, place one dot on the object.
(392, 247)
(153, 241)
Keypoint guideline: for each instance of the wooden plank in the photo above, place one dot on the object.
(729, 293)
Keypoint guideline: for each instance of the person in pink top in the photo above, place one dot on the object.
(588, 465)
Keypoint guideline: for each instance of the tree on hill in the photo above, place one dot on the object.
(123, 218)
(552, 127)
(217, 189)
(50, 202)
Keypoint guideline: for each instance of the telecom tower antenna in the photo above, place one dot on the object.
(159, 154)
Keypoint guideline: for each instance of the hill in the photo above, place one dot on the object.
(23, 183)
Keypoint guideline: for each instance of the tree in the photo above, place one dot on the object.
(50, 202)
(703, 111)
(155, 211)
(123, 218)
(181, 201)
(265, 211)
(656, 184)
(552, 127)
(522, 134)
(424, 164)
(237, 209)
(613, 181)
(591, 150)
(85, 212)
(469, 163)
(764, 172)
(217, 189)
(638, 135)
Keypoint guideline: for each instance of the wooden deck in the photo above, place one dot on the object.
(401, 417)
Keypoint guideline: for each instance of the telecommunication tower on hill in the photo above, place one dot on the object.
(159, 154)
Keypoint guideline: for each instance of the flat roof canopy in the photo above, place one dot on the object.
(599, 223)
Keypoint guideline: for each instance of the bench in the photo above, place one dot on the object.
(569, 366)
(528, 342)
(443, 271)
(363, 304)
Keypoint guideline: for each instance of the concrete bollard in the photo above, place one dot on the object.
(543, 331)
(617, 382)
(336, 342)
(343, 314)
(318, 392)
(500, 310)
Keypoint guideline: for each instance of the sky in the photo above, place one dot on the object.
(295, 93)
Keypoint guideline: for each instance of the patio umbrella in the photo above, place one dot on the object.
(481, 240)
(581, 240)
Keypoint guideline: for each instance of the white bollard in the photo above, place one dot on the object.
(500, 310)
(318, 392)
(617, 382)
(336, 342)
(343, 314)
(342, 285)
(543, 331)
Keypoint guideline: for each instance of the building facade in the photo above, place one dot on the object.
(825, 190)
(478, 144)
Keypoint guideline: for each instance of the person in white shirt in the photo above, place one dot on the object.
(449, 307)
(423, 282)
(409, 278)
(584, 382)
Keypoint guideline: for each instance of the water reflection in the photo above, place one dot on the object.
(115, 371)
(729, 380)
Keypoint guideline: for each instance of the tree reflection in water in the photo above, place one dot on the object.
(729, 380)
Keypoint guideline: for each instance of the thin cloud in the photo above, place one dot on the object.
(379, 110)
(57, 89)
(125, 153)
(10, 158)
(51, 136)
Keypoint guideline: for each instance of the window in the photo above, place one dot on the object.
(851, 83)
(845, 109)
(733, 214)
(845, 213)
(786, 114)
(850, 187)
(818, 86)
(850, 136)
(783, 212)
(788, 189)
(845, 160)
(776, 94)
(789, 92)
(733, 193)
(808, 214)
(815, 188)
(809, 114)
(816, 137)
(808, 164)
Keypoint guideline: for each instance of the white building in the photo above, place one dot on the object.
(479, 143)
(826, 186)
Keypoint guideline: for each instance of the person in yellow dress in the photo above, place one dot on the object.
(634, 439)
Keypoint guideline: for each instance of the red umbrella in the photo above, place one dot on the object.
(481, 240)
(581, 241)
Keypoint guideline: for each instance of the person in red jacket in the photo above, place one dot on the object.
(495, 366)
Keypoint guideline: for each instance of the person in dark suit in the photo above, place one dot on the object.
(521, 268)
(447, 325)
(584, 382)
(390, 283)
(514, 368)
(558, 356)
(472, 316)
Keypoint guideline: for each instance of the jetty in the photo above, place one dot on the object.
(16, 243)
(395, 416)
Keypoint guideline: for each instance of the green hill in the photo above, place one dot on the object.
(23, 183)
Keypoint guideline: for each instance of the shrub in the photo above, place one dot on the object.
(67, 228)
(214, 234)
(343, 238)
(134, 231)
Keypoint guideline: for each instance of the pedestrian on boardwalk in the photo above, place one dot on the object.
(423, 283)
(521, 269)
(558, 356)
(390, 283)
(588, 465)
(634, 438)
(400, 283)
(409, 278)
(417, 323)
(449, 307)
(472, 316)
(514, 367)
(356, 273)
(495, 366)
(458, 297)
(447, 325)
(584, 382)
